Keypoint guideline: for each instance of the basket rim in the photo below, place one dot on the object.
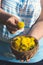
(27, 50)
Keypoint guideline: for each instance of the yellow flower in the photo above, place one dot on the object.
(20, 25)
(32, 38)
(28, 40)
(16, 42)
(32, 43)
(17, 38)
(23, 48)
(23, 43)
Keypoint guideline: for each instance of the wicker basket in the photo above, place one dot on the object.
(27, 54)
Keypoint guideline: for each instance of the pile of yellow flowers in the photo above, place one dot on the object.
(20, 25)
(23, 43)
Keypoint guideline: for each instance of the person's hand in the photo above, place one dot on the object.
(12, 24)
(27, 60)
(9, 20)
(36, 32)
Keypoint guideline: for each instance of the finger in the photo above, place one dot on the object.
(28, 60)
(11, 23)
(22, 60)
(12, 28)
(16, 22)
(16, 19)
(12, 32)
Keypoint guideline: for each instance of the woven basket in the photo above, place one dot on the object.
(27, 54)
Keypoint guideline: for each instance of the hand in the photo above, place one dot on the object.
(27, 60)
(37, 32)
(12, 24)
(9, 20)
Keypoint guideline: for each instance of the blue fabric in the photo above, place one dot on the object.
(6, 54)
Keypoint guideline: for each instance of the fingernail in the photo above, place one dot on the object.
(28, 60)
(22, 60)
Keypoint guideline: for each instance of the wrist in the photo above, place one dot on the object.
(37, 30)
(35, 34)
(36, 37)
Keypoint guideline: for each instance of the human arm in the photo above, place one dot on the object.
(37, 29)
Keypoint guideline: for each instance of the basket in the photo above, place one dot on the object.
(27, 54)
